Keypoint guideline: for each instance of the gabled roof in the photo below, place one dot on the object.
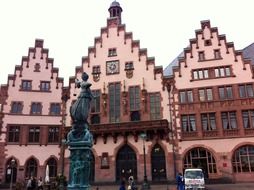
(248, 53)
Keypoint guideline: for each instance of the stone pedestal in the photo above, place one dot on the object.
(80, 159)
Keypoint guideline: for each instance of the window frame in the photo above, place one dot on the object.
(188, 119)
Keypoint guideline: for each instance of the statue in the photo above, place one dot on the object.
(79, 111)
(79, 139)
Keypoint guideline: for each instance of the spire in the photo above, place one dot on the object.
(115, 10)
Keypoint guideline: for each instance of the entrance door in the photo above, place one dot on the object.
(10, 172)
(126, 163)
(158, 163)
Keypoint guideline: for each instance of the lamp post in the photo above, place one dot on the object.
(145, 184)
(12, 166)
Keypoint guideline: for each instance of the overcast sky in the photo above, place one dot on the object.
(68, 27)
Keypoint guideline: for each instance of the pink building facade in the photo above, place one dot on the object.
(186, 116)
(212, 107)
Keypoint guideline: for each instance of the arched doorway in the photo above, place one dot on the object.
(31, 168)
(11, 170)
(243, 159)
(200, 158)
(52, 163)
(158, 163)
(126, 163)
(92, 164)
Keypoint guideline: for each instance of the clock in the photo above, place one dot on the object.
(112, 67)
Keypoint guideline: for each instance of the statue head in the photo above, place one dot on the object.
(85, 76)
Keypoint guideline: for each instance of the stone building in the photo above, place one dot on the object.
(198, 112)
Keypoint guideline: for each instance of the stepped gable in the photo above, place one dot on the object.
(36, 61)
(201, 41)
(112, 22)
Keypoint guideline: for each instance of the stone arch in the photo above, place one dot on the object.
(126, 163)
(200, 157)
(238, 146)
(11, 170)
(158, 163)
(242, 158)
(31, 166)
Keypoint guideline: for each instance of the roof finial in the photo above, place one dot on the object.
(115, 10)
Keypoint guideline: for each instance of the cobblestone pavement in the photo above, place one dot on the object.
(237, 186)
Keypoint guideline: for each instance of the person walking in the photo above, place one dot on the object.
(40, 184)
(122, 185)
(180, 181)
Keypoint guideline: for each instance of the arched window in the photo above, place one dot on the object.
(31, 168)
(200, 158)
(158, 163)
(126, 163)
(11, 170)
(52, 163)
(243, 159)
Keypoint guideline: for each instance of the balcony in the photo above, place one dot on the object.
(210, 134)
(231, 132)
(249, 131)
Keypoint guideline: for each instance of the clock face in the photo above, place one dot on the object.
(112, 67)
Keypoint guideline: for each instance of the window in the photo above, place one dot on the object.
(246, 90)
(208, 121)
(37, 67)
(229, 120)
(129, 65)
(243, 159)
(112, 52)
(53, 134)
(55, 109)
(134, 98)
(45, 86)
(31, 168)
(96, 69)
(36, 108)
(13, 133)
(114, 102)
(188, 123)
(26, 85)
(95, 103)
(248, 118)
(201, 56)
(225, 93)
(155, 106)
(222, 72)
(200, 74)
(186, 96)
(208, 42)
(52, 164)
(205, 94)
(34, 134)
(16, 107)
(217, 54)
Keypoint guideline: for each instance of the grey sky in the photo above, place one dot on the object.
(69, 27)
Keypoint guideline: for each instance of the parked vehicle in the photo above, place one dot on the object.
(194, 179)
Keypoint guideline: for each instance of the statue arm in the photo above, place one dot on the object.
(77, 83)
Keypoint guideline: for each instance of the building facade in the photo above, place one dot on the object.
(144, 120)
(212, 100)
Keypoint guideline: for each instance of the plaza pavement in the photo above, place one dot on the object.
(235, 186)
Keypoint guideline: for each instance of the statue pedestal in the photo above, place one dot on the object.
(80, 159)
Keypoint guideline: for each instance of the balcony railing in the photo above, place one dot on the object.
(249, 131)
(208, 134)
(230, 132)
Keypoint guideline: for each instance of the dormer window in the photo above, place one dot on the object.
(112, 52)
(37, 67)
(217, 54)
(201, 56)
(96, 73)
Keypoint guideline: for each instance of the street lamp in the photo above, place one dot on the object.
(12, 168)
(145, 184)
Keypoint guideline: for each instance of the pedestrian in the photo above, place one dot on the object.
(132, 185)
(122, 185)
(180, 181)
(29, 184)
(40, 184)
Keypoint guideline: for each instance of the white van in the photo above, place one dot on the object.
(194, 179)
